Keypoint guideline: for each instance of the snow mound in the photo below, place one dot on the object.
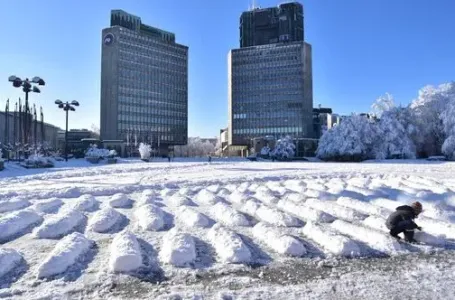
(437, 227)
(166, 192)
(228, 215)
(103, 220)
(85, 203)
(295, 197)
(313, 185)
(9, 260)
(228, 245)
(243, 187)
(283, 244)
(335, 210)
(363, 207)
(373, 238)
(438, 210)
(304, 212)
(214, 188)
(275, 217)
(149, 197)
(149, 217)
(336, 244)
(120, 201)
(59, 225)
(13, 204)
(16, 222)
(223, 193)
(238, 197)
(421, 236)
(362, 191)
(49, 206)
(179, 200)
(250, 207)
(266, 195)
(386, 203)
(67, 251)
(185, 191)
(125, 253)
(178, 249)
(192, 218)
(206, 197)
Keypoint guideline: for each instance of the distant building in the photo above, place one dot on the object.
(144, 84)
(75, 139)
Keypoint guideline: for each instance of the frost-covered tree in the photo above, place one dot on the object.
(383, 104)
(145, 150)
(448, 120)
(265, 151)
(284, 148)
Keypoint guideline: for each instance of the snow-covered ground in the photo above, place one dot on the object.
(232, 229)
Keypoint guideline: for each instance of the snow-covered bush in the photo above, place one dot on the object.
(284, 148)
(196, 147)
(265, 151)
(95, 152)
(448, 120)
(145, 151)
(1, 155)
(38, 161)
(112, 153)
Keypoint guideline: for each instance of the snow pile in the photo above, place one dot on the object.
(205, 197)
(275, 217)
(437, 227)
(228, 215)
(373, 238)
(228, 245)
(223, 193)
(283, 244)
(9, 260)
(243, 188)
(335, 210)
(364, 207)
(48, 206)
(16, 222)
(103, 220)
(314, 185)
(149, 217)
(439, 211)
(420, 236)
(238, 197)
(250, 207)
(178, 249)
(386, 203)
(86, 203)
(125, 253)
(179, 200)
(96, 152)
(214, 188)
(145, 150)
(120, 201)
(59, 225)
(149, 197)
(66, 253)
(304, 212)
(295, 197)
(166, 192)
(266, 195)
(192, 218)
(13, 204)
(336, 244)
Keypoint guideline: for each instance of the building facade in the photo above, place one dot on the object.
(144, 84)
(283, 23)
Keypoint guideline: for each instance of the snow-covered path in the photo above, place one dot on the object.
(212, 210)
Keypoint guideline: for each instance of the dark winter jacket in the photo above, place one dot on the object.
(402, 213)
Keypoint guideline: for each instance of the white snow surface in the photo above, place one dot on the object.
(9, 259)
(67, 251)
(120, 200)
(104, 219)
(224, 252)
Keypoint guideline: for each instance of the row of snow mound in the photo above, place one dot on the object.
(336, 210)
(363, 207)
(192, 218)
(48, 206)
(17, 222)
(229, 216)
(305, 212)
(103, 220)
(9, 260)
(65, 254)
(13, 204)
(274, 239)
(60, 224)
(268, 214)
(228, 245)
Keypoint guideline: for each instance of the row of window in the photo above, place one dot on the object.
(268, 99)
(154, 59)
(134, 139)
(149, 107)
(178, 118)
(150, 128)
(272, 130)
(272, 49)
(144, 42)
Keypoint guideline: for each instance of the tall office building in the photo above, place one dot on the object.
(144, 84)
(270, 78)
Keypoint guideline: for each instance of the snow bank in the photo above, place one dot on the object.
(228, 245)
(179, 200)
(9, 259)
(364, 207)
(49, 206)
(275, 217)
(238, 197)
(149, 217)
(331, 241)
(103, 220)
(120, 201)
(283, 244)
(192, 218)
(16, 222)
(228, 215)
(67, 251)
(59, 225)
(373, 238)
(125, 253)
(13, 204)
(84, 203)
(335, 210)
(304, 212)
(421, 236)
(178, 249)
(206, 197)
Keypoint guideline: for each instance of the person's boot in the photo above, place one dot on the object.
(409, 236)
(395, 235)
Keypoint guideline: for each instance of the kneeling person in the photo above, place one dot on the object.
(402, 221)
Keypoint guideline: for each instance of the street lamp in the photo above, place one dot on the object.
(67, 106)
(27, 87)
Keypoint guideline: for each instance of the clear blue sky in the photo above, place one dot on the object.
(361, 49)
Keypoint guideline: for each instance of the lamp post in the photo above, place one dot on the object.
(67, 106)
(27, 87)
